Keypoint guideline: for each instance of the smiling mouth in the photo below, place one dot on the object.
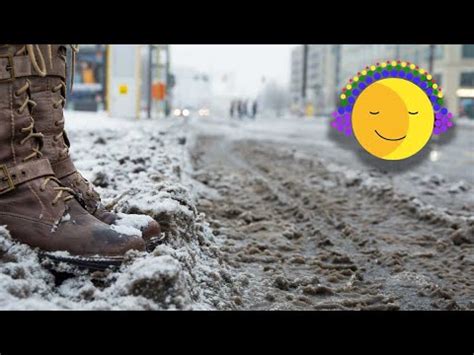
(389, 139)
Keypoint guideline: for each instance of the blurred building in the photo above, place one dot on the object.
(318, 90)
(329, 67)
(88, 92)
(296, 76)
(125, 80)
(354, 58)
(453, 69)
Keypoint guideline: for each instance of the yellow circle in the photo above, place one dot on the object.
(412, 66)
(383, 65)
(440, 95)
(348, 87)
(422, 71)
(372, 67)
(429, 77)
(355, 78)
(392, 119)
(435, 86)
(343, 96)
(364, 72)
(404, 64)
(394, 63)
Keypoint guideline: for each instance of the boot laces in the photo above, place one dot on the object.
(30, 130)
(56, 104)
(65, 192)
(60, 189)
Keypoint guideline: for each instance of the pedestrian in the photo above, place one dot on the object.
(240, 109)
(245, 104)
(254, 109)
(232, 108)
(45, 202)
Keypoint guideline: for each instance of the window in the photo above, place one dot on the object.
(439, 52)
(468, 51)
(467, 79)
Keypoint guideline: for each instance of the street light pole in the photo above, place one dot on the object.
(149, 79)
(305, 71)
(431, 58)
(167, 83)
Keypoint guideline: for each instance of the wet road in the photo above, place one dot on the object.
(442, 174)
(302, 232)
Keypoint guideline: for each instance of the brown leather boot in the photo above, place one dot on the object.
(49, 93)
(36, 208)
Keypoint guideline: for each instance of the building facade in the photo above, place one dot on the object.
(321, 77)
(329, 67)
(296, 77)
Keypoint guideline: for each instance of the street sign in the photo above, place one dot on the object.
(158, 91)
(123, 89)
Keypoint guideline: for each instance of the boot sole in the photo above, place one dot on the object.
(90, 263)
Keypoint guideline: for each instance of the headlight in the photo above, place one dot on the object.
(204, 112)
(185, 112)
(177, 112)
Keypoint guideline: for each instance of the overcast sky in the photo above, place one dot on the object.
(248, 63)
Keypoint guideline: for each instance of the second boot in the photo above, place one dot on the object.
(49, 93)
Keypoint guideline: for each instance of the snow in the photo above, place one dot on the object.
(126, 230)
(133, 220)
(138, 167)
(142, 171)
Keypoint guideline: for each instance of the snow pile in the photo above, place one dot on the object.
(138, 170)
(24, 284)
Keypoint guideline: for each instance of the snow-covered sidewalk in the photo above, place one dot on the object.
(268, 187)
(137, 167)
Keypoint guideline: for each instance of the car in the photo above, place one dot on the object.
(187, 111)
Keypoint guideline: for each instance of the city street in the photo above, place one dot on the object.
(446, 162)
(265, 214)
(316, 227)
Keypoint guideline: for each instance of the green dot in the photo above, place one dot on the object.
(348, 93)
(440, 101)
(344, 103)
(389, 67)
(435, 92)
(370, 73)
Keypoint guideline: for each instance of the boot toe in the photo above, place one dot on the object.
(96, 237)
(132, 243)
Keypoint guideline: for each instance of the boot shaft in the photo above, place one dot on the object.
(32, 77)
(49, 92)
(18, 140)
(27, 186)
(49, 95)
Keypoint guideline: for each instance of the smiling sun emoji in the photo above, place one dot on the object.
(392, 108)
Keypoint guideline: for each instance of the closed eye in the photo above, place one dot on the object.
(413, 113)
(374, 113)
